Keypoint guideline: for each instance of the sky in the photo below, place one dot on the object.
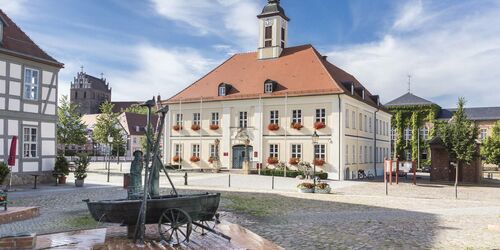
(450, 48)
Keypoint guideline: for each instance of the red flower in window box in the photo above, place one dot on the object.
(177, 127)
(195, 127)
(293, 161)
(194, 158)
(210, 159)
(176, 158)
(319, 125)
(319, 162)
(214, 126)
(273, 126)
(272, 160)
(296, 126)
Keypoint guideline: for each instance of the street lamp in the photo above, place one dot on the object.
(110, 140)
(315, 139)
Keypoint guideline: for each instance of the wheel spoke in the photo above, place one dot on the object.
(185, 237)
(177, 236)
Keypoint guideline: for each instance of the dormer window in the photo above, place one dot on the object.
(223, 89)
(268, 87)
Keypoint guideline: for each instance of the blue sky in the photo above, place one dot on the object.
(148, 47)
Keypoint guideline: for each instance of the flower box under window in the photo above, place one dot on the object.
(272, 160)
(194, 158)
(296, 126)
(195, 127)
(319, 162)
(273, 127)
(214, 126)
(176, 158)
(293, 161)
(177, 127)
(319, 125)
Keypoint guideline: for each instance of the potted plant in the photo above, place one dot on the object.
(319, 162)
(61, 169)
(214, 126)
(323, 188)
(4, 171)
(319, 125)
(177, 127)
(176, 158)
(272, 160)
(194, 158)
(293, 161)
(81, 163)
(305, 187)
(273, 127)
(195, 127)
(296, 125)
(211, 159)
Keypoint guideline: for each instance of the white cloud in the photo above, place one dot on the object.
(450, 53)
(13, 7)
(225, 18)
(158, 71)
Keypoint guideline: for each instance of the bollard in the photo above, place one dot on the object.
(229, 180)
(272, 185)
(185, 178)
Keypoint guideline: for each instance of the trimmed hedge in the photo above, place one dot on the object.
(290, 173)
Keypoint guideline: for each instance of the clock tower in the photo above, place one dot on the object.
(273, 30)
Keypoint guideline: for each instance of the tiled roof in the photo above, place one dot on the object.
(299, 71)
(476, 114)
(135, 124)
(408, 99)
(17, 43)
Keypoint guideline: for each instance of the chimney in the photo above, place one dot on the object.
(363, 93)
(352, 88)
(325, 57)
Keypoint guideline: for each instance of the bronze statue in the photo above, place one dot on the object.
(135, 186)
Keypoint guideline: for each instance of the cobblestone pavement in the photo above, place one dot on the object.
(357, 216)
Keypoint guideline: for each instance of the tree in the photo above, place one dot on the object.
(491, 146)
(108, 125)
(459, 137)
(70, 128)
(136, 109)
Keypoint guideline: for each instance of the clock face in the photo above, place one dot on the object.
(268, 23)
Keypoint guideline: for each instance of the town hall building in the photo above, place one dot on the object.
(270, 102)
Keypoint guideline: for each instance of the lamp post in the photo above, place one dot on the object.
(315, 138)
(110, 140)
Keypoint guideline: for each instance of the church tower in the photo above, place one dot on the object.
(273, 30)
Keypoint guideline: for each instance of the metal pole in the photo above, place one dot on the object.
(229, 180)
(418, 149)
(109, 165)
(185, 178)
(272, 184)
(314, 176)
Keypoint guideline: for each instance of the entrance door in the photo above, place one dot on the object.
(239, 155)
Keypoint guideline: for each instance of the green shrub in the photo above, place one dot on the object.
(322, 175)
(280, 172)
(62, 166)
(81, 163)
(4, 171)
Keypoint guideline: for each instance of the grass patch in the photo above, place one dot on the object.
(250, 205)
(82, 221)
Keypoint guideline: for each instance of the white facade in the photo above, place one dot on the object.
(337, 139)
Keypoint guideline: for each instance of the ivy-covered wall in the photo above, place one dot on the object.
(413, 117)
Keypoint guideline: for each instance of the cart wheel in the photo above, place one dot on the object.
(175, 226)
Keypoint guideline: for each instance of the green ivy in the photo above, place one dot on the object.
(413, 116)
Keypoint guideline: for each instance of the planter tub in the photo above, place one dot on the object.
(79, 183)
(62, 179)
(323, 191)
(305, 190)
